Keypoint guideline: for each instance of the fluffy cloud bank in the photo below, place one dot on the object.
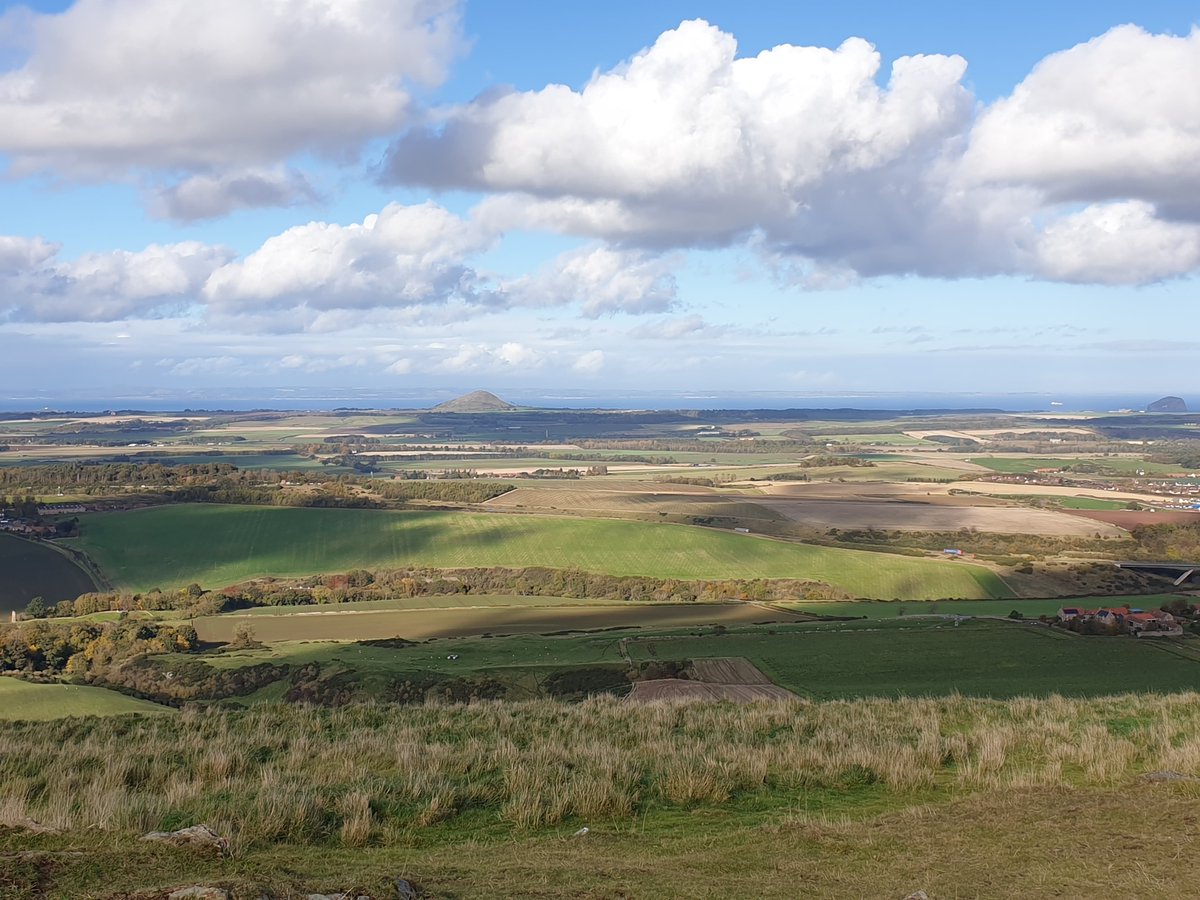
(113, 86)
(800, 151)
(99, 287)
(324, 276)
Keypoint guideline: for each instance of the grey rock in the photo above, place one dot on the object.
(405, 889)
(1161, 777)
(917, 895)
(197, 836)
(199, 892)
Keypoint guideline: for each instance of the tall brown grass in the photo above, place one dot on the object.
(374, 773)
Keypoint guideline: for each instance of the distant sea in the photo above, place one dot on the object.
(283, 398)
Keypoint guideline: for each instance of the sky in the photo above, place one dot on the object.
(410, 195)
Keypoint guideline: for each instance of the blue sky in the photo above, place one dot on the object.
(415, 194)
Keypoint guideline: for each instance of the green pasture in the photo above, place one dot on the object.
(1116, 465)
(923, 657)
(874, 609)
(1091, 503)
(217, 545)
(22, 700)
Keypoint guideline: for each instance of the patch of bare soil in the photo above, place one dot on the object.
(732, 678)
(727, 670)
(1129, 518)
(896, 515)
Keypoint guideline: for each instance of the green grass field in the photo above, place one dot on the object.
(1091, 503)
(872, 609)
(42, 702)
(30, 569)
(918, 658)
(821, 660)
(1116, 465)
(217, 545)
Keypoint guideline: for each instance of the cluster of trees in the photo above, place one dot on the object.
(1168, 542)
(450, 491)
(532, 581)
(185, 598)
(97, 478)
(692, 445)
(1185, 455)
(87, 649)
(20, 507)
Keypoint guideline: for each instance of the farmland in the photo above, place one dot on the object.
(905, 658)
(223, 544)
(913, 655)
(29, 569)
(20, 700)
(421, 624)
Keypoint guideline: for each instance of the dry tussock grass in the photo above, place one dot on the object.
(370, 774)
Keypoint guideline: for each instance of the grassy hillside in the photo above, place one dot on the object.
(217, 545)
(956, 797)
(41, 702)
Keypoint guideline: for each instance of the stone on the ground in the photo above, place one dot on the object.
(1158, 777)
(199, 892)
(405, 889)
(198, 836)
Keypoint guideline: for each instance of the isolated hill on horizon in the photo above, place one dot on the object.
(476, 401)
(1168, 404)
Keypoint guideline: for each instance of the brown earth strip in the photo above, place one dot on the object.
(732, 678)
(1128, 518)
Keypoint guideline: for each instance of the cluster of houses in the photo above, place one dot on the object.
(22, 526)
(1138, 622)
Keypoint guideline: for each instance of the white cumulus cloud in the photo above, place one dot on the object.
(1115, 118)
(402, 256)
(1118, 243)
(112, 87)
(35, 285)
(600, 281)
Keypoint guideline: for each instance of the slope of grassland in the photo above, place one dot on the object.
(956, 797)
(216, 545)
(20, 700)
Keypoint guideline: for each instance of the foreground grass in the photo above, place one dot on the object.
(867, 798)
(20, 700)
(217, 545)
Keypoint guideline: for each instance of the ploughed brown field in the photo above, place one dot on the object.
(907, 516)
(886, 506)
(732, 678)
